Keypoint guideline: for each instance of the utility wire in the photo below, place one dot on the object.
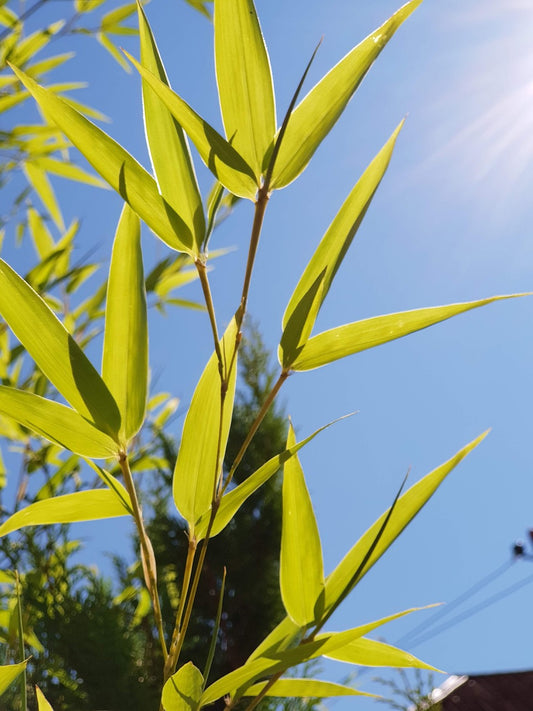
(473, 610)
(423, 627)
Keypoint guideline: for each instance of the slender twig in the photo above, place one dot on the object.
(204, 281)
(260, 207)
(23, 679)
(270, 683)
(191, 553)
(28, 13)
(146, 549)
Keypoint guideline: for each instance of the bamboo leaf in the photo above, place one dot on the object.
(204, 437)
(116, 166)
(125, 352)
(8, 674)
(370, 653)
(316, 114)
(182, 692)
(302, 310)
(168, 146)
(226, 164)
(56, 352)
(42, 239)
(42, 703)
(108, 44)
(304, 688)
(301, 571)
(88, 505)
(406, 509)
(244, 81)
(68, 170)
(40, 183)
(115, 17)
(234, 499)
(354, 337)
(56, 422)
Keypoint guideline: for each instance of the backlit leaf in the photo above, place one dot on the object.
(182, 692)
(204, 437)
(40, 183)
(8, 674)
(301, 571)
(116, 166)
(316, 114)
(234, 499)
(88, 505)
(56, 423)
(304, 304)
(125, 352)
(370, 653)
(304, 688)
(405, 510)
(244, 81)
(354, 337)
(55, 351)
(68, 170)
(226, 164)
(169, 150)
(42, 703)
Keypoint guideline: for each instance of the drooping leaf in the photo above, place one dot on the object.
(204, 437)
(125, 352)
(406, 509)
(8, 674)
(314, 284)
(56, 352)
(234, 499)
(301, 571)
(56, 422)
(108, 44)
(88, 505)
(226, 164)
(42, 239)
(169, 150)
(68, 170)
(40, 183)
(316, 114)
(354, 337)
(304, 688)
(182, 692)
(370, 653)
(244, 81)
(116, 166)
(42, 703)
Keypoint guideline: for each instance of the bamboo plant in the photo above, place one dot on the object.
(250, 158)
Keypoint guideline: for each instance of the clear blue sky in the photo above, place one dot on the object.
(451, 222)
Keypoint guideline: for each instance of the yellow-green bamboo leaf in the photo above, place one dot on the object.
(42, 239)
(125, 353)
(90, 505)
(68, 170)
(354, 337)
(226, 164)
(370, 653)
(87, 5)
(205, 434)
(108, 44)
(316, 114)
(28, 47)
(302, 309)
(244, 81)
(10, 100)
(182, 692)
(8, 674)
(168, 146)
(113, 484)
(40, 183)
(46, 65)
(341, 580)
(115, 17)
(304, 688)
(301, 570)
(116, 166)
(55, 351)
(275, 660)
(234, 499)
(57, 423)
(42, 703)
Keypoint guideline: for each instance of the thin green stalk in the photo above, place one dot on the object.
(270, 683)
(204, 281)
(260, 207)
(22, 653)
(146, 549)
(256, 424)
(191, 553)
(212, 648)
